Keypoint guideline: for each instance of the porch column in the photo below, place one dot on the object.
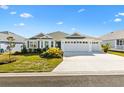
(43, 44)
(115, 44)
(53, 43)
(90, 46)
(49, 44)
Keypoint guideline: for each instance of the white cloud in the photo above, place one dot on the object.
(117, 20)
(59, 23)
(5, 7)
(81, 10)
(26, 15)
(119, 14)
(20, 24)
(13, 13)
(73, 29)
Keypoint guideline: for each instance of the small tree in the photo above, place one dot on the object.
(106, 47)
(11, 45)
(24, 49)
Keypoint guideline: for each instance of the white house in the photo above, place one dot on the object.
(67, 42)
(19, 40)
(115, 39)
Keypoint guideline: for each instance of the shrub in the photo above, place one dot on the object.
(30, 50)
(105, 47)
(17, 53)
(24, 50)
(52, 53)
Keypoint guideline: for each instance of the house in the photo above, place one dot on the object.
(67, 42)
(18, 40)
(115, 39)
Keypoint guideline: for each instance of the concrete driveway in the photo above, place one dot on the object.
(90, 62)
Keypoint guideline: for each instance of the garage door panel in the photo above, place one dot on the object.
(75, 47)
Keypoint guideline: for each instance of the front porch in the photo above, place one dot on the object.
(35, 44)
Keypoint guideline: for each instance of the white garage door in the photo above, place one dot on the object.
(81, 46)
(75, 46)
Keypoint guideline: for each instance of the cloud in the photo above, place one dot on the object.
(59, 23)
(119, 14)
(73, 29)
(5, 7)
(20, 24)
(117, 20)
(81, 10)
(26, 15)
(13, 13)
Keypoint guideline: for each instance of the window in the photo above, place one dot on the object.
(120, 42)
(51, 43)
(117, 42)
(33, 44)
(41, 44)
(46, 44)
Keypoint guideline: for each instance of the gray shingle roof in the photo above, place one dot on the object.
(77, 35)
(113, 35)
(5, 34)
(58, 35)
(41, 36)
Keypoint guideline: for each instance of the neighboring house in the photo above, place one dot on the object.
(67, 42)
(115, 39)
(19, 40)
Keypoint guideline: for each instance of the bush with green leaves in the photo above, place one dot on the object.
(105, 47)
(52, 53)
(24, 50)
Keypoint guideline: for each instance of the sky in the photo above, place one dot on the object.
(93, 20)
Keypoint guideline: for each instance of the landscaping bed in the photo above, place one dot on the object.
(119, 53)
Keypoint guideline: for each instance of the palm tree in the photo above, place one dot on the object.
(11, 45)
(106, 47)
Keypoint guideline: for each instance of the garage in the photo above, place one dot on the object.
(75, 45)
(78, 42)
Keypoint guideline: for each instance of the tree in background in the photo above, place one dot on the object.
(11, 45)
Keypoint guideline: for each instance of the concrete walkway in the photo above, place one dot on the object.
(90, 62)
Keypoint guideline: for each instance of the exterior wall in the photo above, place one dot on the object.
(114, 44)
(16, 48)
(111, 42)
(34, 44)
(68, 44)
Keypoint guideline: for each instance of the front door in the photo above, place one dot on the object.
(58, 44)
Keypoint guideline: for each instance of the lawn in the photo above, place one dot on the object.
(117, 53)
(29, 63)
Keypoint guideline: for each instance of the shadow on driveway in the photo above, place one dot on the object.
(80, 53)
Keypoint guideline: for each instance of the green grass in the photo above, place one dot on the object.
(30, 63)
(117, 53)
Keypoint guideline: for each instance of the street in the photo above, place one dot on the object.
(63, 81)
